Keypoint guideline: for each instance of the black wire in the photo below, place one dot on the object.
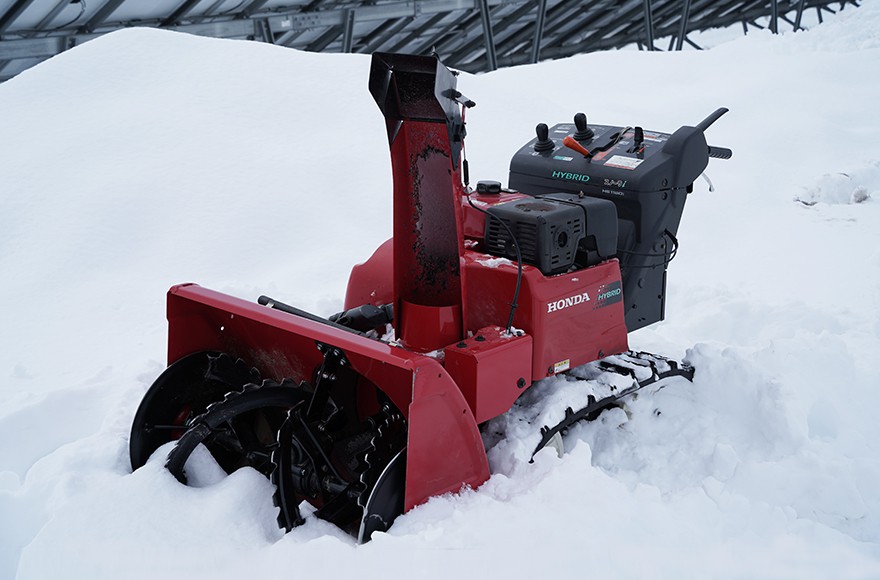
(667, 256)
(82, 10)
(616, 139)
(519, 261)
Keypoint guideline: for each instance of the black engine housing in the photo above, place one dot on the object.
(555, 232)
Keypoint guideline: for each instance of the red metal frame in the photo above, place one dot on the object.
(444, 448)
(565, 337)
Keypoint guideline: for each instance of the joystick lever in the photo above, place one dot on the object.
(638, 140)
(583, 133)
(544, 143)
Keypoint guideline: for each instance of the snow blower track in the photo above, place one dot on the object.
(550, 408)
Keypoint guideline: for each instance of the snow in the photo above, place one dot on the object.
(853, 187)
(496, 262)
(146, 158)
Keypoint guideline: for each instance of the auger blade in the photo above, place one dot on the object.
(183, 391)
(220, 419)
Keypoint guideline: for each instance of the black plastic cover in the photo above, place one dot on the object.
(646, 181)
(663, 161)
(417, 88)
(555, 232)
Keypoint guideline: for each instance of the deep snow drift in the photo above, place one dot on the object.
(146, 158)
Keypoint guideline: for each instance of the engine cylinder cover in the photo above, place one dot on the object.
(555, 232)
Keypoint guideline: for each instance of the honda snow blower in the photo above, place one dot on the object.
(479, 294)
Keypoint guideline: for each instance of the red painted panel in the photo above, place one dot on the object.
(579, 330)
(428, 328)
(427, 240)
(449, 452)
(372, 282)
(492, 369)
(445, 451)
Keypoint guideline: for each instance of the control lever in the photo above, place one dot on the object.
(610, 142)
(544, 143)
(583, 133)
(572, 144)
(638, 140)
(705, 123)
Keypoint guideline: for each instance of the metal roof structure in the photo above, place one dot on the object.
(471, 35)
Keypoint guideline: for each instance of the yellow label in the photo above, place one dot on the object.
(562, 365)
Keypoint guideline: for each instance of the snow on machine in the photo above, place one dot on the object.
(487, 291)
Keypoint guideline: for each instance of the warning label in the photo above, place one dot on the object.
(561, 366)
(623, 162)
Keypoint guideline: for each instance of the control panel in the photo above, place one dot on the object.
(612, 160)
(643, 175)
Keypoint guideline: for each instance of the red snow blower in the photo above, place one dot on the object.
(479, 294)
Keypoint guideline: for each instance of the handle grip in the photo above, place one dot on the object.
(720, 152)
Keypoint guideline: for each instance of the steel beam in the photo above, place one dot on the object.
(32, 47)
(682, 31)
(800, 14)
(220, 29)
(539, 30)
(488, 36)
(294, 20)
(774, 16)
(287, 38)
(45, 22)
(264, 30)
(649, 25)
(348, 30)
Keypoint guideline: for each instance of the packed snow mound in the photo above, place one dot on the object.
(147, 158)
(851, 187)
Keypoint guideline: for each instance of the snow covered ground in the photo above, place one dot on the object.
(145, 158)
